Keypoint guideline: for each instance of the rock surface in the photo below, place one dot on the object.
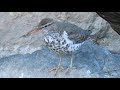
(92, 61)
(113, 18)
(26, 57)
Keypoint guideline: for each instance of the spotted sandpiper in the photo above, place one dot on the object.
(61, 37)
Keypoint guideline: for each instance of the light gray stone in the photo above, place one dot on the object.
(15, 24)
(25, 57)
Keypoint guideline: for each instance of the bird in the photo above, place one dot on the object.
(62, 38)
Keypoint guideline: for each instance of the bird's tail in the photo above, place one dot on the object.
(100, 34)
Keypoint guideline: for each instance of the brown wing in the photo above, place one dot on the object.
(79, 36)
(75, 33)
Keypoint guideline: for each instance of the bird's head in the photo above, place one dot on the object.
(44, 23)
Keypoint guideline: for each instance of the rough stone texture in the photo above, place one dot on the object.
(92, 61)
(26, 58)
(15, 24)
(113, 18)
(112, 39)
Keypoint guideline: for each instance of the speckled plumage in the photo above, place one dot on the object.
(61, 37)
(64, 38)
(61, 43)
(49, 26)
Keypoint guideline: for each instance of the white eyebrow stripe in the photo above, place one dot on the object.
(46, 25)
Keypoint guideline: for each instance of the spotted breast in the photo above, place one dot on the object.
(61, 43)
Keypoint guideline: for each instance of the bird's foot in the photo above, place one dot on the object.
(69, 69)
(56, 69)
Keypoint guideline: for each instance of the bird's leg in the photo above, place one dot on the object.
(71, 63)
(58, 67)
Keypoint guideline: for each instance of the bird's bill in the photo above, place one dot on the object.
(32, 32)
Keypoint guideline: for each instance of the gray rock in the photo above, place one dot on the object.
(91, 61)
(113, 18)
(15, 24)
(26, 57)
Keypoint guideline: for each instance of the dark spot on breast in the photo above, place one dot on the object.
(67, 45)
(46, 43)
(50, 45)
(65, 48)
(54, 49)
(63, 43)
(67, 51)
(52, 42)
(58, 41)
